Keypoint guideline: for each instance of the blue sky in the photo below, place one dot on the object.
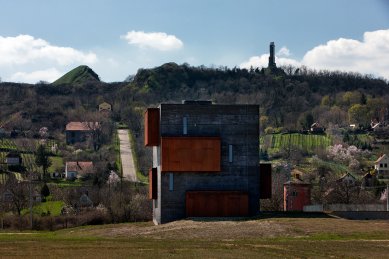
(42, 39)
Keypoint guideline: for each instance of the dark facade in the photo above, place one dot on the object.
(205, 160)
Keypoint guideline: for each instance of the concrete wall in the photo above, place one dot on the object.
(237, 125)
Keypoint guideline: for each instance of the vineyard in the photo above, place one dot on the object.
(305, 142)
(27, 147)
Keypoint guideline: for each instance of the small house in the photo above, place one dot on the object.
(13, 159)
(316, 128)
(347, 179)
(297, 194)
(74, 170)
(369, 180)
(381, 166)
(105, 107)
(79, 131)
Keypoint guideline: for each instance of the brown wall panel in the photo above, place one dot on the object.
(265, 184)
(153, 191)
(190, 154)
(152, 127)
(216, 204)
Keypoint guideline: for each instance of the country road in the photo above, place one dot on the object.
(128, 167)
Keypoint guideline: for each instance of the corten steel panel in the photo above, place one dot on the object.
(265, 182)
(217, 204)
(153, 191)
(152, 127)
(190, 154)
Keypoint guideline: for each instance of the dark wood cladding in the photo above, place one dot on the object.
(265, 181)
(217, 204)
(153, 191)
(152, 127)
(190, 154)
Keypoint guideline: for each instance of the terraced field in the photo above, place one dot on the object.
(305, 142)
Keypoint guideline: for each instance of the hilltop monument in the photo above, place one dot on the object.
(272, 58)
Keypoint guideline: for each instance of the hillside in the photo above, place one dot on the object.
(79, 75)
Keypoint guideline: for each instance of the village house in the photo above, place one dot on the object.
(79, 131)
(13, 159)
(105, 107)
(381, 166)
(205, 160)
(297, 193)
(316, 128)
(78, 169)
(347, 179)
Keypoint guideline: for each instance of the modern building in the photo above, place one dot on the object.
(205, 160)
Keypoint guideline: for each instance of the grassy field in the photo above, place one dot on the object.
(49, 207)
(306, 142)
(258, 238)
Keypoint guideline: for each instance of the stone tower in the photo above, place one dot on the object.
(272, 62)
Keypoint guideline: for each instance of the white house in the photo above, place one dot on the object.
(381, 165)
(78, 169)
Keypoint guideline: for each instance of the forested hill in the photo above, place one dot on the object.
(284, 96)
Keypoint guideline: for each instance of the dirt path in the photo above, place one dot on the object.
(128, 167)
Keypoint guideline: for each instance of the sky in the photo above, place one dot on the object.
(44, 39)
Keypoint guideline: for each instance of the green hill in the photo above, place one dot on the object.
(79, 75)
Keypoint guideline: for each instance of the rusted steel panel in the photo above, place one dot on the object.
(296, 196)
(153, 191)
(265, 181)
(190, 154)
(217, 204)
(152, 127)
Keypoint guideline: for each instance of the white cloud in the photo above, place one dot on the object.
(48, 75)
(263, 61)
(284, 51)
(371, 55)
(25, 49)
(155, 40)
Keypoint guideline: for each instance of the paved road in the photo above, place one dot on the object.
(128, 167)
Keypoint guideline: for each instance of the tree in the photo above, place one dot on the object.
(45, 191)
(306, 120)
(359, 114)
(42, 159)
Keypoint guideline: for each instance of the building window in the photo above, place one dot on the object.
(230, 153)
(381, 165)
(385, 165)
(171, 182)
(294, 194)
(185, 125)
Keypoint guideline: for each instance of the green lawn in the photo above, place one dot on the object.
(50, 207)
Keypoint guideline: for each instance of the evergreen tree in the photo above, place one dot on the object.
(42, 159)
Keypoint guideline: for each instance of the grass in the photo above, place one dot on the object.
(79, 75)
(49, 207)
(56, 164)
(281, 238)
(142, 178)
(116, 144)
